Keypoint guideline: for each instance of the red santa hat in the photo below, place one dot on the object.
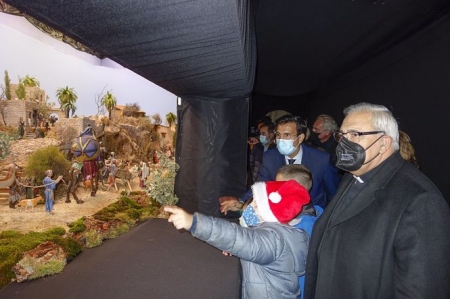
(279, 201)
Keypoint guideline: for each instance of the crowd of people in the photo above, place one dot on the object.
(345, 213)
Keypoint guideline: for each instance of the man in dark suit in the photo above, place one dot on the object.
(290, 134)
(322, 135)
(385, 233)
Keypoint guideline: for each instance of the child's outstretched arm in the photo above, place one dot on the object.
(180, 218)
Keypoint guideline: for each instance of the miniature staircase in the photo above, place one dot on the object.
(4, 195)
(29, 136)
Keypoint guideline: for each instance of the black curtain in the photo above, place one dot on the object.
(262, 104)
(413, 80)
(211, 151)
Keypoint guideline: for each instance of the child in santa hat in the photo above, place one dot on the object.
(272, 253)
(310, 213)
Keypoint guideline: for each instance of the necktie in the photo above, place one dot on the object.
(291, 161)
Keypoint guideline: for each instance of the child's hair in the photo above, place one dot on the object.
(296, 172)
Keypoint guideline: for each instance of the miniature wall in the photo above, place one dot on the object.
(15, 109)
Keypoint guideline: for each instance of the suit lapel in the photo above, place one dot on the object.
(370, 192)
(282, 159)
(306, 156)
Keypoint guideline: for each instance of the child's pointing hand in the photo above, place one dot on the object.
(180, 218)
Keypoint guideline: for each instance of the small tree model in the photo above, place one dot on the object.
(98, 102)
(67, 97)
(171, 118)
(47, 158)
(156, 119)
(109, 101)
(2, 92)
(3, 104)
(29, 81)
(20, 90)
(162, 183)
(4, 145)
(7, 86)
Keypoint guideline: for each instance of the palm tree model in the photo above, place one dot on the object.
(109, 101)
(30, 81)
(171, 118)
(67, 98)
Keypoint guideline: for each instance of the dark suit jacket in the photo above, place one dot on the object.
(325, 175)
(391, 241)
(255, 160)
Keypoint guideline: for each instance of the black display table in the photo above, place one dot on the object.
(152, 260)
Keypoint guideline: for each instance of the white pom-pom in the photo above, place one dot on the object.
(275, 197)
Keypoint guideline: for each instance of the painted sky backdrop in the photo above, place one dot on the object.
(25, 50)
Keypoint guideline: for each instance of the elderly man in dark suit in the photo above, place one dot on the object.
(290, 134)
(386, 232)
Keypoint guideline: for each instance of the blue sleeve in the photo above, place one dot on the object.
(257, 161)
(264, 172)
(194, 223)
(247, 195)
(50, 182)
(331, 180)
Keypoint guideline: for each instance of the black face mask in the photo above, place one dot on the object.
(314, 137)
(351, 155)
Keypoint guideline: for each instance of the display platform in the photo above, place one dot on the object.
(152, 260)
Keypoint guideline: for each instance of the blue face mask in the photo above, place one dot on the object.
(263, 139)
(249, 217)
(286, 146)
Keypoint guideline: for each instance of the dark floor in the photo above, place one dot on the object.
(153, 260)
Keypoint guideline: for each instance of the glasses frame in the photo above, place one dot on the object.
(338, 135)
(283, 137)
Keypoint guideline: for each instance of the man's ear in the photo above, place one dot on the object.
(386, 143)
(301, 138)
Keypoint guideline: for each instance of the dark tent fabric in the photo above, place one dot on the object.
(187, 47)
(308, 57)
(212, 163)
(412, 79)
(318, 41)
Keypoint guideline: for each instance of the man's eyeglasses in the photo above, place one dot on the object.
(353, 135)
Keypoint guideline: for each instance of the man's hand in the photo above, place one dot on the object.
(180, 218)
(59, 179)
(252, 141)
(230, 203)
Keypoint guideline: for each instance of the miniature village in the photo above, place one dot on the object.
(88, 207)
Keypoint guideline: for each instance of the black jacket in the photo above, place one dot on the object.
(391, 241)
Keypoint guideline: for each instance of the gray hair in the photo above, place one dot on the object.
(382, 119)
(329, 124)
